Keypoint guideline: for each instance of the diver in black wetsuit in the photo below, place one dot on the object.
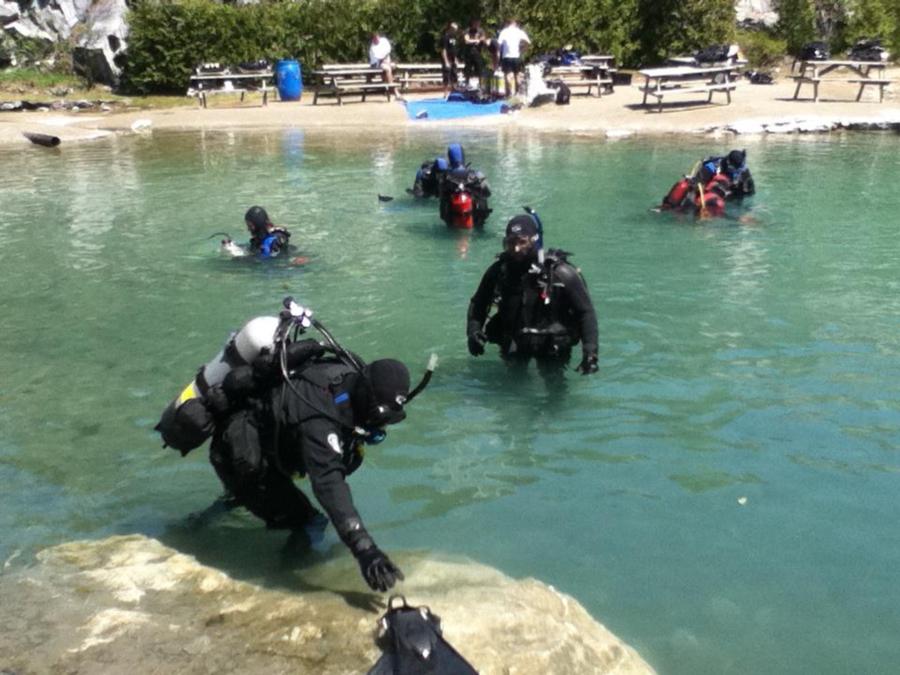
(543, 305)
(266, 240)
(734, 166)
(314, 425)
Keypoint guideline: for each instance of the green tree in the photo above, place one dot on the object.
(796, 23)
(875, 19)
(671, 27)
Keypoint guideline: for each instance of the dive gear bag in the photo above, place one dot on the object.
(712, 54)
(413, 644)
(815, 51)
(868, 50)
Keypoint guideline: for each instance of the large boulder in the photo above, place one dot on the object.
(103, 40)
(132, 605)
(97, 28)
(758, 12)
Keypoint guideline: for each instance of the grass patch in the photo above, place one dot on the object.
(38, 79)
(42, 87)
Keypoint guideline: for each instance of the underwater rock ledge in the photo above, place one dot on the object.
(129, 604)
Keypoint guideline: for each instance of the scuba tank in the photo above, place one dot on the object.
(186, 422)
(676, 195)
(461, 209)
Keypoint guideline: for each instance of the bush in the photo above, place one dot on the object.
(875, 19)
(673, 27)
(168, 39)
(762, 48)
(796, 23)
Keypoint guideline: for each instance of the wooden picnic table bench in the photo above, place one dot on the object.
(337, 80)
(867, 73)
(418, 75)
(668, 81)
(205, 84)
(585, 77)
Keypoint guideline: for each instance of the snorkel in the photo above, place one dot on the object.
(540, 228)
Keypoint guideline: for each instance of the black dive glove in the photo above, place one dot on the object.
(377, 569)
(477, 340)
(588, 364)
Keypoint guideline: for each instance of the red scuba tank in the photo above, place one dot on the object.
(461, 210)
(677, 194)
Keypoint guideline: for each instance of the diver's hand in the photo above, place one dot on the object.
(477, 340)
(588, 364)
(377, 569)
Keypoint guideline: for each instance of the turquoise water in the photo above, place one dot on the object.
(755, 363)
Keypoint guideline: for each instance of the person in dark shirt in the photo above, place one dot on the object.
(449, 49)
(474, 41)
(543, 304)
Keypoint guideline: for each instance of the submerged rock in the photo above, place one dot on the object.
(132, 605)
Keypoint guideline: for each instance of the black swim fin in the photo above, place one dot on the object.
(413, 644)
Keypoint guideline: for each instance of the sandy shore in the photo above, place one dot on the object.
(754, 109)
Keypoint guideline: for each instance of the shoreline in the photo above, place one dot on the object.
(755, 109)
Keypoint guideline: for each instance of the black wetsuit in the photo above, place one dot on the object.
(305, 429)
(449, 44)
(525, 325)
(473, 44)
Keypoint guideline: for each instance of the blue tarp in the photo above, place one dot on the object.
(439, 109)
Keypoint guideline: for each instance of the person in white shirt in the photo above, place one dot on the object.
(380, 57)
(510, 41)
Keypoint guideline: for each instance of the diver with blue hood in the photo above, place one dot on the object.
(543, 308)
(428, 178)
(281, 406)
(463, 192)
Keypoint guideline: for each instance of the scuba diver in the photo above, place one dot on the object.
(712, 182)
(543, 305)
(276, 406)
(428, 178)
(463, 192)
(734, 166)
(266, 240)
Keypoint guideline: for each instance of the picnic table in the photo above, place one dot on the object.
(594, 72)
(204, 84)
(863, 73)
(418, 75)
(671, 80)
(338, 80)
(692, 61)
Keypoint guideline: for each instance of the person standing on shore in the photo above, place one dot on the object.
(449, 44)
(474, 41)
(510, 41)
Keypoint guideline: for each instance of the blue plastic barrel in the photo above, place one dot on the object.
(287, 77)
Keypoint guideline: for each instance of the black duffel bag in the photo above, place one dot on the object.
(815, 51)
(712, 54)
(868, 50)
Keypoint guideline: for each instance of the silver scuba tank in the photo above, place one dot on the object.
(186, 423)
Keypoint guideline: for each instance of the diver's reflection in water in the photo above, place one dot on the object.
(462, 244)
